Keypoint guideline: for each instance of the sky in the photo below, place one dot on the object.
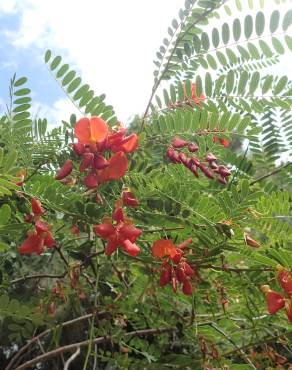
(111, 44)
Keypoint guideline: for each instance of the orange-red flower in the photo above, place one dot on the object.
(163, 247)
(285, 279)
(41, 237)
(90, 131)
(275, 301)
(119, 232)
(117, 167)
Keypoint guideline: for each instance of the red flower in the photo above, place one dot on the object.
(275, 300)
(117, 167)
(33, 244)
(285, 279)
(36, 207)
(90, 131)
(222, 141)
(121, 234)
(128, 199)
(128, 144)
(65, 170)
(163, 247)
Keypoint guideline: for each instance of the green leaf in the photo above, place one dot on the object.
(229, 82)
(265, 49)
(281, 84)
(288, 40)
(242, 82)
(254, 82)
(274, 21)
(74, 85)
(215, 37)
(48, 55)
(260, 23)
(267, 84)
(68, 78)
(248, 26)
(278, 45)
(236, 29)
(10, 160)
(56, 61)
(5, 214)
(287, 21)
(20, 82)
(225, 33)
(21, 92)
(62, 70)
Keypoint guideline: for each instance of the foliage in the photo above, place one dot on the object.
(109, 305)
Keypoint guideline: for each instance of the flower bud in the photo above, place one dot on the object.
(100, 162)
(187, 287)
(91, 181)
(65, 170)
(192, 147)
(210, 157)
(87, 160)
(165, 275)
(177, 142)
(285, 279)
(78, 149)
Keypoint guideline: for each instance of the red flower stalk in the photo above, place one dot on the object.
(65, 170)
(179, 271)
(285, 279)
(275, 301)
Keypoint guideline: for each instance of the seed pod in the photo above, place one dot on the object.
(187, 287)
(192, 147)
(65, 170)
(184, 244)
(177, 142)
(165, 275)
(195, 161)
(78, 149)
(100, 162)
(214, 166)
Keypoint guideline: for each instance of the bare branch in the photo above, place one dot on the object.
(72, 358)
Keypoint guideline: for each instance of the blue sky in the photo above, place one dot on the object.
(111, 44)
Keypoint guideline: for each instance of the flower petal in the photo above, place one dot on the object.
(32, 244)
(92, 130)
(163, 247)
(118, 165)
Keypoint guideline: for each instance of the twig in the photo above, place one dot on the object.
(163, 229)
(44, 333)
(271, 173)
(230, 340)
(61, 254)
(235, 269)
(71, 347)
(38, 276)
(71, 358)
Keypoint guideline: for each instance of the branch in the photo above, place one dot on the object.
(38, 276)
(271, 173)
(71, 358)
(234, 269)
(99, 340)
(44, 333)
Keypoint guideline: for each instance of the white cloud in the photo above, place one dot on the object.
(7, 6)
(111, 43)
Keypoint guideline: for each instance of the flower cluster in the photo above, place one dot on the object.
(277, 301)
(41, 236)
(119, 230)
(96, 143)
(174, 268)
(210, 168)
